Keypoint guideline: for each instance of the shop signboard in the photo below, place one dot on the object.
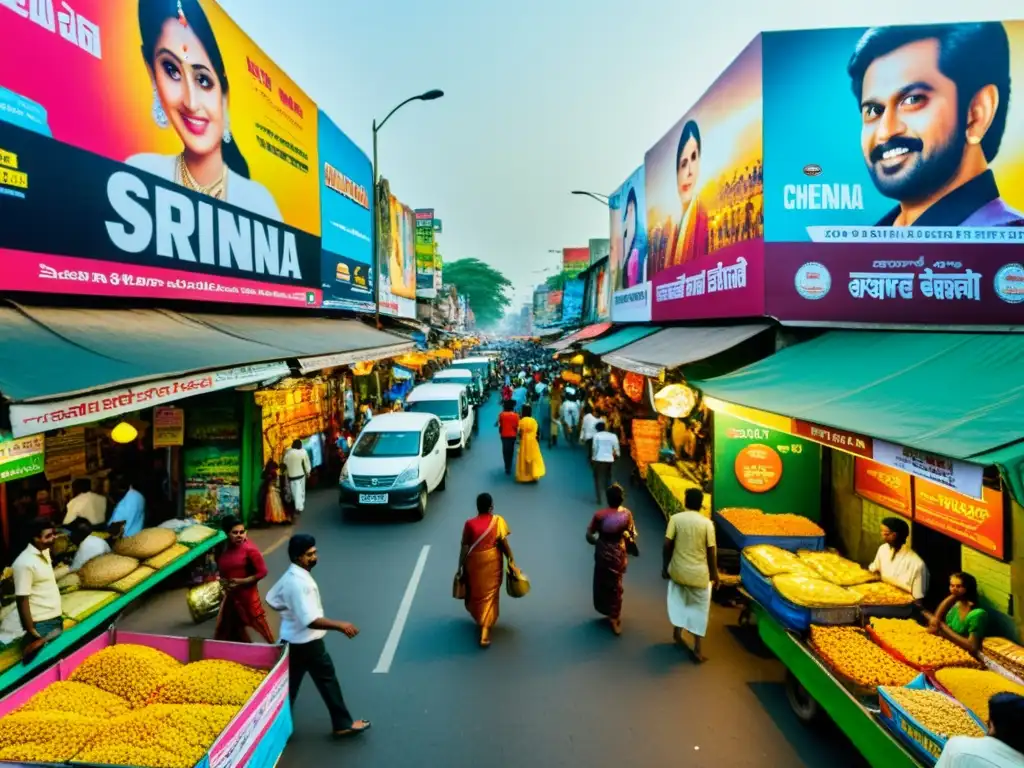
(554, 307)
(572, 302)
(425, 253)
(397, 263)
(346, 183)
(843, 440)
(898, 212)
(956, 475)
(705, 217)
(764, 468)
(20, 457)
(627, 252)
(574, 261)
(184, 190)
(168, 427)
(883, 485)
(978, 523)
(438, 269)
(29, 418)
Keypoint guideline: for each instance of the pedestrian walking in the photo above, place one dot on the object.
(485, 549)
(297, 469)
(612, 531)
(542, 409)
(519, 397)
(271, 497)
(508, 430)
(570, 415)
(296, 597)
(588, 428)
(690, 565)
(241, 568)
(530, 465)
(556, 415)
(604, 450)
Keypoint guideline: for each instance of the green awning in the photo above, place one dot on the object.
(959, 395)
(620, 338)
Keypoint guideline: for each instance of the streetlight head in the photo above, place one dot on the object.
(578, 192)
(431, 95)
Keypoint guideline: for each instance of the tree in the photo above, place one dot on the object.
(483, 285)
(556, 282)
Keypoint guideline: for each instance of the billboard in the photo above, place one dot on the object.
(597, 294)
(705, 218)
(346, 181)
(553, 310)
(397, 248)
(147, 176)
(572, 301)
(909, 208)
(574, 261)
(630, 282)
(425, 253)
(540, 307)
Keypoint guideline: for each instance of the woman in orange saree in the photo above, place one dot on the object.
(530, 465)
(481, 564)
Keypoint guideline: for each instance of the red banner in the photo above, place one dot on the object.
(850, 442)
(978, 524)
(885, 486)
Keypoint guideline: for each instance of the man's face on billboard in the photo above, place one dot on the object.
(911, 134)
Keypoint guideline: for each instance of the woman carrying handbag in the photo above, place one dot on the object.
(614, 535)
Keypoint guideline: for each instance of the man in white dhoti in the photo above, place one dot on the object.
(690, 566)
(296, 463)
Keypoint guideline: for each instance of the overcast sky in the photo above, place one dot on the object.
(542, 96)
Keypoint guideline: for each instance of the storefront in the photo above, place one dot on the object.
(851, 428)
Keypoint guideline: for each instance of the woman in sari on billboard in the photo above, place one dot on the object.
(687, 237)
(634, 267)
(190, 95)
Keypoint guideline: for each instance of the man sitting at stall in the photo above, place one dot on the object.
(89, 546)
(897, 563)
(959, 618)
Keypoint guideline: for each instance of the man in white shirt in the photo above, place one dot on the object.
(570, 414)
(296, 597)
(604, 450)
(85, 504)
(897, 563)
(1002, 748)
(588, 427)
(35, 586)
(89, 546)
(297, 467)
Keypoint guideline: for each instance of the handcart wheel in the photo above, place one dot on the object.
(801, 702)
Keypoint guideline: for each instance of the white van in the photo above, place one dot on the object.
(462, 376)
(396, 462)
(450, 403)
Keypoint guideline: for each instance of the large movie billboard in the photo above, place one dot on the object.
(905, 204)
(705, 217)
(397, 249)
(150, 149)
(346, 183)
(627, 256)
(425, 247)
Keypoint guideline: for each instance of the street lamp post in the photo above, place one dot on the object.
(428, 96)
(602, 199)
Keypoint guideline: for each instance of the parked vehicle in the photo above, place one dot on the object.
(484, 367)
(450, 403)
(396, 463)
(462, 376)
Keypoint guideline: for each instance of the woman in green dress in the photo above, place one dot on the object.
(959, 618)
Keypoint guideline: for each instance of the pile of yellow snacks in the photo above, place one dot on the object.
(836, 568)
(936, 712)
(881, 593)
(851, 654)
(919, 647)
(1007, 654)
(130, 705)
(974, 687)
(754, 522)
(770, 560)
(813, 593)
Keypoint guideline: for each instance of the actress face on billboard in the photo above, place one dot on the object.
(688, 166)
(190, 96)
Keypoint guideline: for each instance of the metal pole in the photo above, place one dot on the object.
(373, 236)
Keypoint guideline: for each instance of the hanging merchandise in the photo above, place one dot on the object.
(363, 369)
(676, 401)
(294, 410)
(633, 386)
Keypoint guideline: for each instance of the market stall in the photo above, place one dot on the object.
(147, 700)
(94, 599)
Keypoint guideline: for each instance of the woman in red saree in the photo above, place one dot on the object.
(609, 531)
(241, 568)
(481, 564)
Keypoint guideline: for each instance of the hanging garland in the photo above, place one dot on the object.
(633, 386)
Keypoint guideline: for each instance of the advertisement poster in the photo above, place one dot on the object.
(980, 524)
(883, 485)
(910, 207)
(705, 215)
(572, 302)
(193, 157)
(553, 311)
(574, 261)
(540, 308)
(597, 294)
(20, 457)
(425, 253)
(212, 481)
(765, 469)
(627, 252)
(168, 427)
(397, 243)
(346, 184)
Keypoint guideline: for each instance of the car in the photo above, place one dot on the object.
(398, 460)
(450, 403)
(462, 376)
(484, 367)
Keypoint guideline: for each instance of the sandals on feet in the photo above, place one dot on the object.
(355, 730)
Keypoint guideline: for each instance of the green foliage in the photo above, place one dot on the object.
(556, 282)
(483, 285)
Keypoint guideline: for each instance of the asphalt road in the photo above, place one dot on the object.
(556, 688)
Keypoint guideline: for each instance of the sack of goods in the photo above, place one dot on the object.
(851, 654)
(770, 560)
(754, 522)
(813, 593)
(974, 687)
(879, 593)
(836, 568)
(920, 648)
(104, 570)
(147, 543)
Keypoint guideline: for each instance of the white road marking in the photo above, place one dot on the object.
(391, 645)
